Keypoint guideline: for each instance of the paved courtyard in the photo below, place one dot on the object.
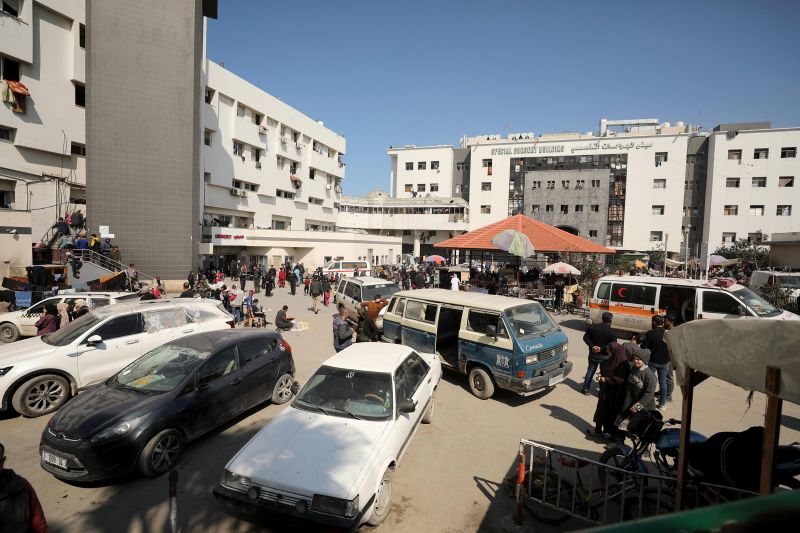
(447, 481)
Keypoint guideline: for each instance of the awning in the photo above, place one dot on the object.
(296, 180)
(18, 87)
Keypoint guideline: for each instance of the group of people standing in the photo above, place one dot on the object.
(627, 373)
(57, 315)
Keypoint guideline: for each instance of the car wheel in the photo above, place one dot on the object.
(8, 332)
(383, 499)
(427, 416)
(161, 453)
(480, 383)
(282, 392)
(40, 395)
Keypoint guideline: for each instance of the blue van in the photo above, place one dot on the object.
(496, 340)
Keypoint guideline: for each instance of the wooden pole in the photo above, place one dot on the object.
(686, 427)
(772, 428)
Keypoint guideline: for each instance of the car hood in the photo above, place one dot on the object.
(98, 408)
(310, 453)
(24, 349)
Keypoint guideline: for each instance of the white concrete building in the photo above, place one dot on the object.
(754, 176)
(42, 134)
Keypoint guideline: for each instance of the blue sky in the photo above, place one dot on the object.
(415, 72)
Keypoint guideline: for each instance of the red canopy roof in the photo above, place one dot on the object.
(544, 237)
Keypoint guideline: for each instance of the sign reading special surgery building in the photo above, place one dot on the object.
(228, 236)
(560, 149)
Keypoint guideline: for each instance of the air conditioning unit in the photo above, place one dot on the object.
(262, 130)
(258, 164)
(234, 192)
(329, 187)
(300, 146)
(243, 193)
(284, 140)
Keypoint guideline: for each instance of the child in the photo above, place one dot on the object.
(306, 284)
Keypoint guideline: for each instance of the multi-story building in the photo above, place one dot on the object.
(753, 172)
(429, 172)
(42, 128)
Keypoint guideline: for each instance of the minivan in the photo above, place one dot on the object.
(497, 341)
(635, 300)
(347, 268)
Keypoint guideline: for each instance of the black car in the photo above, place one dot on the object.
(140, 418)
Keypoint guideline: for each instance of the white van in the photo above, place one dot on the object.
(634, 300)
(347, 268)
(785, 280)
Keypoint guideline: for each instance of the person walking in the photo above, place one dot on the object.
(559, 293)
(640, 392)
(292, 279)
(243, 276)
(653, 340)
(283, 322)
(342, 331)
(282, 278)
(326, 290)
(597, 338)
(373, 312)
(257, 279)
(612, 382)
(269, 283)
(315, 289)
(236, 298)
(190, 280)
(306, 284)
(20, 510)
(454, 283)
(49, 321)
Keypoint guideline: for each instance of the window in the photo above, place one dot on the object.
(353, 291)
(759, 182)
(788, 152)
(633, 294)
(761, 153)
(240, 110)
(595, 208)
(78, 149)
(80, 95)
(408, 187)
(207, 177)
(537, 185)
(735, 155)
(6, 134)
(551, 184)
(82, 36)
(657, 210)
(425, 312)
(732, 183)
(657, 236)
(421, 165)
(434, 165)
(661, 157)
(278, 224)
(756, 210)
(257, 119)
(251, 350)
(209, 95)
(478, 320)
(548, 208)
(564, 209)
(462, 166)
(592, 233)
(420, 187)
(660, 184)
(486, 186)
(786, 181)
(565, 184)
(207, 137)
(409, 166)
(486, 209)
(401, 305)
(122, 326)
(11, 7)
(784, 211)
(718, 302)
(579, 184)
(9, 69)
(486, 163)
(604, 291)
(535, 208)
(434, 187)
(409, 376)
(728, 237)
(220, 364)
(730, 210)
(238, 149)
(578, 208)
(595, 184)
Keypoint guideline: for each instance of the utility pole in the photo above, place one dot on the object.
(686, 252)
(666, 240)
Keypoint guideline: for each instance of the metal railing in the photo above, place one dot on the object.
(101, 260)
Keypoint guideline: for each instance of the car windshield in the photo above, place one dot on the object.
(348, 393)
(160, 370)
(384, 290)
(758, 304)
(72, 331)
(529, 320)
(789, 282)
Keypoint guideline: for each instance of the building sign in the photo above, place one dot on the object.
(222, 236)
(229, 236)
(560, 149)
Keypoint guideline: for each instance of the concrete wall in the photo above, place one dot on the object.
(443, 177)
(15, 240)
(143, 129)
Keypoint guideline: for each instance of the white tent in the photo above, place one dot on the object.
(561, 268)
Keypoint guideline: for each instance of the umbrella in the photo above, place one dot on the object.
(435, 259)
(514, 242)
(718, 260)
(561, 268)
(639, 264)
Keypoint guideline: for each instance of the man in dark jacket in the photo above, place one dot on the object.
(316, 291)
(282, 321)
(20, 509)
(342, 331)
(188, 292)
(653, 340)
(419, 280)
(597, 338)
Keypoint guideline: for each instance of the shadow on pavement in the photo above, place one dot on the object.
(790, 422)
(573, 323)
(507, 397)
(559, 413)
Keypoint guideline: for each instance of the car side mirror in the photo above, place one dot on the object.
(406, 406)
(94, 340)
(491, 331)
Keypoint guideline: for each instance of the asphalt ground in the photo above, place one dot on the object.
(448, 481)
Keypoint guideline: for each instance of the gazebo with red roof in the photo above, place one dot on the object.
(544, 237)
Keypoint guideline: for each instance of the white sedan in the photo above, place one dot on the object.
(330, 456)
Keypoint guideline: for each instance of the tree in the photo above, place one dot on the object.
(748, 250)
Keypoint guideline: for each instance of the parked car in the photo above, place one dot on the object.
(141, 418)
(330, 457)
(789, 281)
(351, 292)
(38, 375)
(22, 323)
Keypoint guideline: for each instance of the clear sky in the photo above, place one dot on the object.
(421, 72)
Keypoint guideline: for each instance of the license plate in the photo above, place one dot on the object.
(558, 378)
(54, 460)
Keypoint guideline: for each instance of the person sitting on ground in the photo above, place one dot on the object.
(187, 291)
(282, 321)
(50, 320)
(342, 331)
(20, 509)
(257, 313)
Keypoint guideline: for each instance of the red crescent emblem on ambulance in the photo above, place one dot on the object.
(620, 292)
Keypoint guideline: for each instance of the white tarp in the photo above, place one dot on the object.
(739, 351)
